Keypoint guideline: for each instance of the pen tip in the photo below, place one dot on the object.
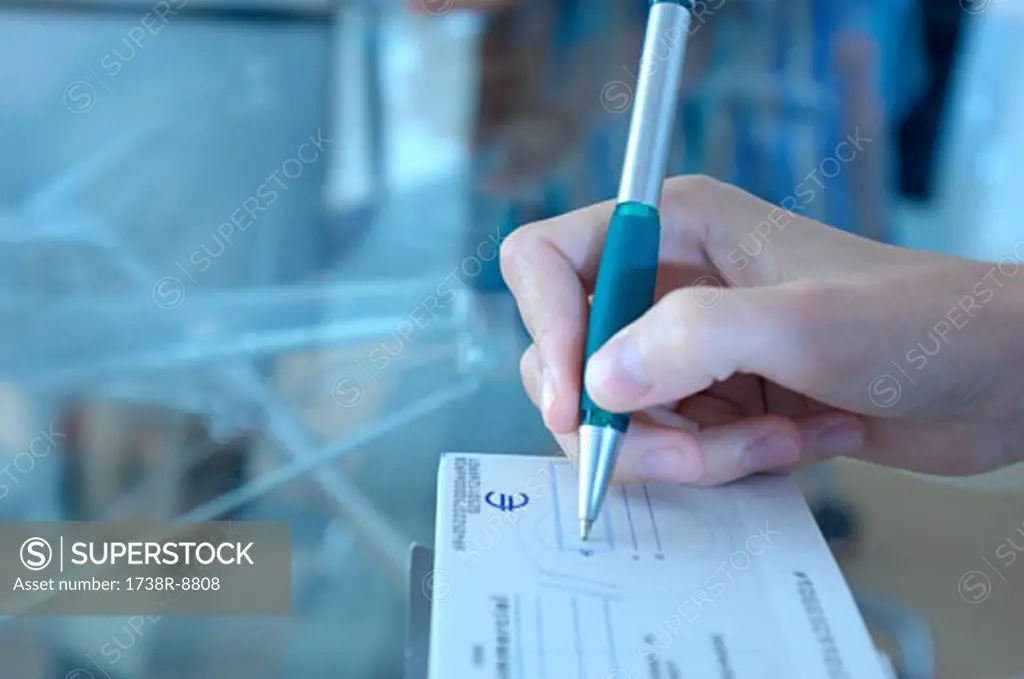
(585, 526)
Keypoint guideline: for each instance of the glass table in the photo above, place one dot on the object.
(208, 327)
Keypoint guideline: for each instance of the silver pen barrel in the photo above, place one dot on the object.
(654, 105)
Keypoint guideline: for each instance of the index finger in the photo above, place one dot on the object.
(548, 266)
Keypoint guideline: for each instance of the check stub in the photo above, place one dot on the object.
(675, 582)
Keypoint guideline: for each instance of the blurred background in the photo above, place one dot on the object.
(248, 270)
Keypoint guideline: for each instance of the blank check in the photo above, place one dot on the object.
(675, 582)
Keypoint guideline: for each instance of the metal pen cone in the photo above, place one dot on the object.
(585, 526)
(599, 446)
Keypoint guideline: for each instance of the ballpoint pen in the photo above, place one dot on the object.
(629, 261)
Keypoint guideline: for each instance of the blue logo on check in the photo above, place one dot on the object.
(507, 503)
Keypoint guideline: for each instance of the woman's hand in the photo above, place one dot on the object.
(777, 341)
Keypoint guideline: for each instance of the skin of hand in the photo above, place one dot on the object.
(776, 341)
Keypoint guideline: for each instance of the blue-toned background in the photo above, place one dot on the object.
(248, 269)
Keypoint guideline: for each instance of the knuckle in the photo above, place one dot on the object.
(694, 189)
(523, 245)
(517, 247)
(691, 339)
(677, 306)
(675, 323)
(695, 184)
(528, 372)
(526, 361)
(510, 251)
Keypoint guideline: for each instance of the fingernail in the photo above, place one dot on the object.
(841, 438)
(668, 464)
(771, 451)
(617, 368)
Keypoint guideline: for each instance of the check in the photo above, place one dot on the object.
(732, 583)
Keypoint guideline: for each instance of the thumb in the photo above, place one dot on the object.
(698, 335)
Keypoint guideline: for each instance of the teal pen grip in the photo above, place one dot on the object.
(624, 290)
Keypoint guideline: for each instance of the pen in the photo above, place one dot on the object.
(629, 261)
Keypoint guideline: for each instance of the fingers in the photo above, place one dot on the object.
(697, 213)
(666, 448)
(719, 455)
(682, 346)
(658, 440)
(545, 265)
(554, 307)
(579, 235)
(550, 267)
(539, 389)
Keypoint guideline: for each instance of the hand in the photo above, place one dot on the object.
(776, 341)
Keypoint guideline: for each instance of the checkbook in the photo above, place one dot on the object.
(675, 582)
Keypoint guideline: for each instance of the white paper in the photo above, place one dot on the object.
(675, 582)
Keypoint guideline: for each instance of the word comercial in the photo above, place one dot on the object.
(160, 553)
